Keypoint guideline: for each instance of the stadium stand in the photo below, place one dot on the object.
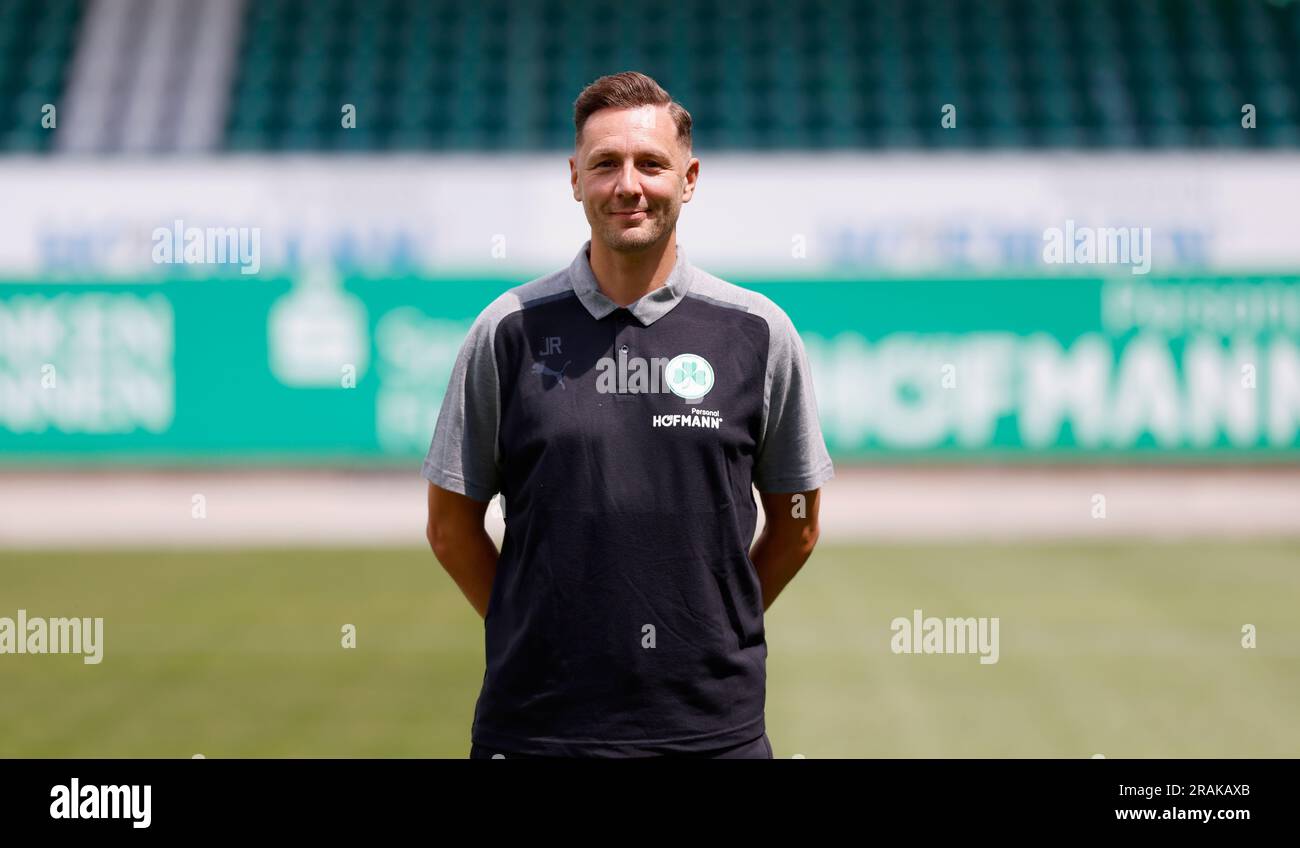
(757, 74)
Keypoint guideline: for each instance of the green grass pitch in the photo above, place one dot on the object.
(1121, 649)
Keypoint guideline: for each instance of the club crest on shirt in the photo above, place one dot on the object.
(690, 376)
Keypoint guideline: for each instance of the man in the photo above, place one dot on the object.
(626, 407)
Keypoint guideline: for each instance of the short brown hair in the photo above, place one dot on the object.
(628, 90)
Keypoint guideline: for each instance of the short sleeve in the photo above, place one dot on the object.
(463, 454)
(792, 455)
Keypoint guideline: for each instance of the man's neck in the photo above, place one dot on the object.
(626, 277)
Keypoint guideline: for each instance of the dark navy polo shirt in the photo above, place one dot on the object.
(626, 617)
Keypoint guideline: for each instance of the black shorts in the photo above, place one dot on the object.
(756, 749)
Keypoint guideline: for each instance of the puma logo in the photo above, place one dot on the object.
(540, 368)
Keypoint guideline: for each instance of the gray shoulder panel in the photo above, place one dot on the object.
(792, 455)
(719, 292)
(535, 292)
(707, 287)
(464, 455)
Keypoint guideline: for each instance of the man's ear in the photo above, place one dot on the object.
(692, 174)
(573, 179)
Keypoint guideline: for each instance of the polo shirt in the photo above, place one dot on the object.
(626, 617)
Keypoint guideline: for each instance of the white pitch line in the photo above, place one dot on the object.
(339, 509)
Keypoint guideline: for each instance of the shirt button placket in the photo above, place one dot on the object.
(621, 332)
(622, 350)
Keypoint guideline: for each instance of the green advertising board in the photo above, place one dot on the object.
(316, 372)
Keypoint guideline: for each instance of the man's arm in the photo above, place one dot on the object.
(789, 535)
(462, 545)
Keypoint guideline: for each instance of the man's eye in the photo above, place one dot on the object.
(604, 162)
(653, 164)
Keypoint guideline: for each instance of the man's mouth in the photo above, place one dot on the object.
(634, 214)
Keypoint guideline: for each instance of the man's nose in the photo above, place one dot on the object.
(627, 181)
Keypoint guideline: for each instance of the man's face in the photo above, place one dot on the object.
(632, 176)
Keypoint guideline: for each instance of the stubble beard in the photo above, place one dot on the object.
(653, 230)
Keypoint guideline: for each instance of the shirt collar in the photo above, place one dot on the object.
(652, 305)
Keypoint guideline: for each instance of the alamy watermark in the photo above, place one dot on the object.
(1074, 245)
(94, 801)
(23, 635)
(182, 245)
(918, 635)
